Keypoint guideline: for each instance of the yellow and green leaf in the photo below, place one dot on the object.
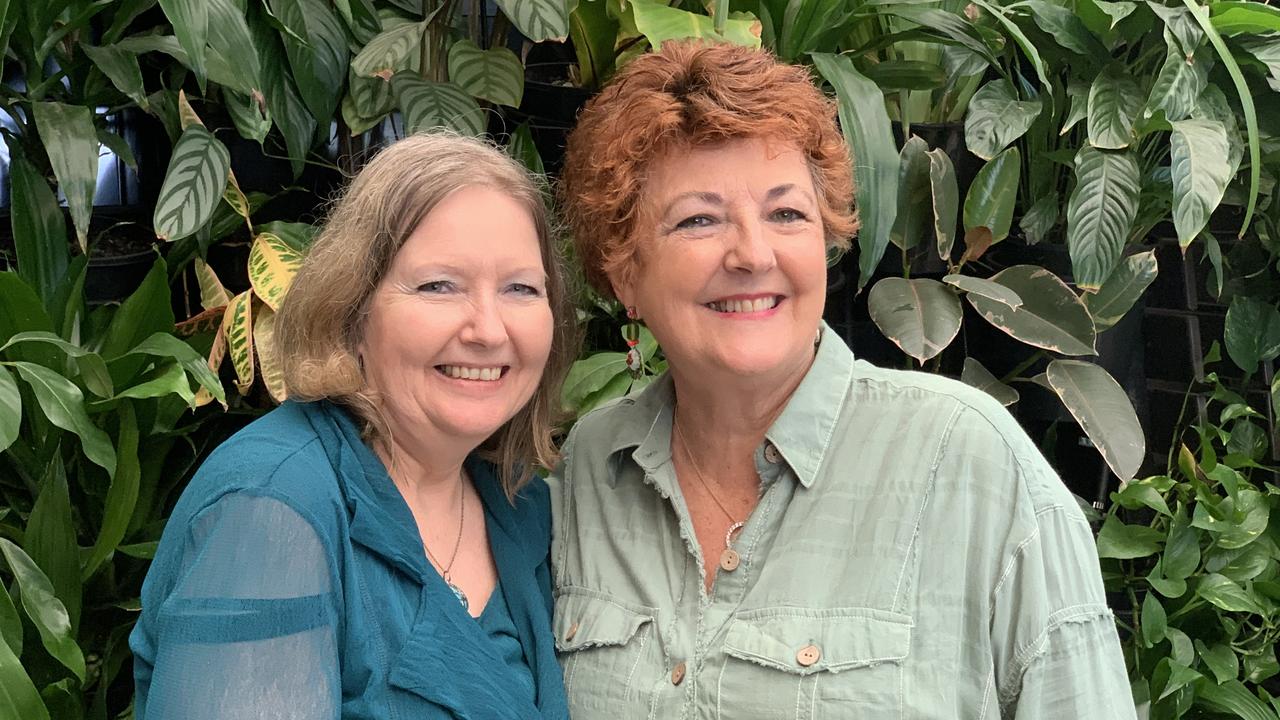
(264, 334)
(212, 292)
(272, 265)
(187, 114)
(216, 355)
(237, 325)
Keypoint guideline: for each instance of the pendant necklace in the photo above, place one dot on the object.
(729, 559)
(445, 569)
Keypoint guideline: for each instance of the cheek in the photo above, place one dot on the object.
(532, 330)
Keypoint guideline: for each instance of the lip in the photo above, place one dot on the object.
(745, 297)
(476, 384)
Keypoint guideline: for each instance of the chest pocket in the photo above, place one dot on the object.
(603, 645)
(795, 664)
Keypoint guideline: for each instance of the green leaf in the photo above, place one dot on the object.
(1252, 333)
(1234, 17)
(10, 409)
(142, 551)
(1200, 167)
(1153, 620)
(44, 609)
(1171, 676)
(146, 311)
(39, 231)
(167, 346)
(1250, 512)
(1100, 213)
(167, 379)
(617, 386)
(659, 23)
(593, 32)
(1125, 542)
(72, 143)
(121, 67)
(1024, 43)
(360, 18)
(320, 66)
(1220, 659)
(1226, 594)
(252, 121)
(865, 124)
(1050, 317)
(10, 623)
(1169, 588)
(1122, 289)
(985, 288)
(287, 109)
(991, 197)
(1180, 31)
(193, 184)
(18, 695)
(495, 75)
(913, 192)
(390, 52)
(976, 375)
(63, 405)
(589, 375)
(907, 75)
(1103, 409)
(119, 148)
(429, 105)
(1066, 28)
(996, 118)
(122, 496)
(1141, 493)
(1177, 87)
(520, 146)
(190, 20)
(1262, 666)
(920, 316)
(1234, 699)
(539, 20)
(92, 368)
(50, 539)
(1041, 218)
(1182, 549)
(1114, 102)
(1078, 94)
(945, 194)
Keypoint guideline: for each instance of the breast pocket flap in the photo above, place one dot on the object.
(594, 620)
(808, 641)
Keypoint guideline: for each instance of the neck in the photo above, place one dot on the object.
(423, 471)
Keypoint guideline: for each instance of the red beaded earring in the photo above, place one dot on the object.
(631, 333)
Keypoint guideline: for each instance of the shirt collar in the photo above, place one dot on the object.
(802, 433)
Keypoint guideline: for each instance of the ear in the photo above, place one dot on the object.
(623, 284)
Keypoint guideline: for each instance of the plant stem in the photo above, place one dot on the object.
(1036, 357)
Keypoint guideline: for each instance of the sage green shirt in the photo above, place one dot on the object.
(912, 555)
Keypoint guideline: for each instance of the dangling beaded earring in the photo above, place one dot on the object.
(631, 333)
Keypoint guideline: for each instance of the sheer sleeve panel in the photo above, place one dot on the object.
(250, 627)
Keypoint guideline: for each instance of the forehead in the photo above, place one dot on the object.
(476, 221)
(752, 165)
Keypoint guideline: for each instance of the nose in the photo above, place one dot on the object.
(749, 250)
(485, 325)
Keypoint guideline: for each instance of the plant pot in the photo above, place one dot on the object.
(550, 107)
(114, 278)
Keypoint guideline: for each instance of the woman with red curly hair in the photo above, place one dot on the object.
(774, 529)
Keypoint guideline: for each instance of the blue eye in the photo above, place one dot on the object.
(523, 289)
(436, 286)
(697, 221)
(788, 215)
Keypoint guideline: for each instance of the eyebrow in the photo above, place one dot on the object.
(715, 199)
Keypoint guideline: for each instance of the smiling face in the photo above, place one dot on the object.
(730, 274)
(459, 330)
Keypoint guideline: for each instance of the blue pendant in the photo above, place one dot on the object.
(457, 591)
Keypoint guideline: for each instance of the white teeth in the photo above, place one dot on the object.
(740, 306)
(471, 373)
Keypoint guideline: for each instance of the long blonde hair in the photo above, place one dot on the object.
(322, 319)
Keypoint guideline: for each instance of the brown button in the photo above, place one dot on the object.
(730, 560)
(808, 655)
(771, 454)
(677, 674)
(571, 632)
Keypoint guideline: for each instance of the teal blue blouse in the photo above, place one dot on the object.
(291, 583)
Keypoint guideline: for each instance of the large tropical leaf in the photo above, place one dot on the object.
(39, 231)
(920, 316)
(190, 20)
(264, 340)
(93, 371)
(1178, 86)
(1114, 102)
(1066, 28)
(10, 409)
(1252, 333)
(18, 695)
(976, 375)
(212, 292)
(429, 105)
(539, 20)
(394, 50)
(122, 495)
(286, 106)
(1200, 167)
(658, 23)
(1041, 218)
(1023, 42)
(495, 75)
(50, 539)
(991, 197)
(913, 194)
(1122, 289)
(997, 118)
(367, 102)
(1100, 213)
(44, 609)
(865, 124)
(589, 375)
(986, 288)
(272, 265)
(237, 325)
(361, 18)
(121, 67)
(193, 184)
(1103, 409)
(320, 65)
(165, 345)
(63, 404)
(1050, 316)
(231, 43)
(1078, 105)
(945, 195)
(72, 143)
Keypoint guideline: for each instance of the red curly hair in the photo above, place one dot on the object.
(692, 93)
